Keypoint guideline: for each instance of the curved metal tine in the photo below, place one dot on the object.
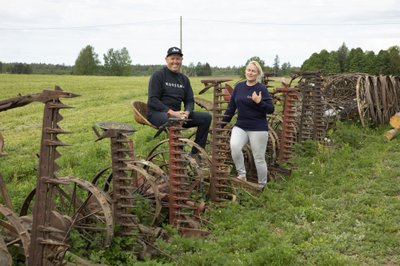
(206, 88)
(171, 121)
(212, 83)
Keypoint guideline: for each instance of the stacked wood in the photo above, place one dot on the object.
(250, 186)
(395, 124)
(370, 99)
(395, 120)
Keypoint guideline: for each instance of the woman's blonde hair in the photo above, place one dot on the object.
(259, 69)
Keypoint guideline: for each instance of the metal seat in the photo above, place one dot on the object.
(140, 113)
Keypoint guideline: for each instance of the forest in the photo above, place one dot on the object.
(117, 62)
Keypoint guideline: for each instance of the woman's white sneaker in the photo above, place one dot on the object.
(243, 178)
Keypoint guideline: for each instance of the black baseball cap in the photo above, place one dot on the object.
(174, 50)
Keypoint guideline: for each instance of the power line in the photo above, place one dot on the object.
(170, 20)
(292, 24)
(92, 26)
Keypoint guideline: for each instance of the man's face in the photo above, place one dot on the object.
(174, 62)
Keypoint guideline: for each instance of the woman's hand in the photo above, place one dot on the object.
(256, 97)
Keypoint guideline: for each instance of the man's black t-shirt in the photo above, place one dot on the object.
(167, 90)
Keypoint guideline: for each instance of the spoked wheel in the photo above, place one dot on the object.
(149, 189)
(5, 256)
(15, 237)
(273, 147)
(150, 192)
(88, 209)
(159, 155)
(198, 169)
(103, 179)
(275, 122)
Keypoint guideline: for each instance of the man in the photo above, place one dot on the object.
(168, 89)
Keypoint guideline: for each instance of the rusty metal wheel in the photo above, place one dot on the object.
(275, 122)
(149, 193)
(5, 256)
(188, 188)
(159, 155)
(150, 189)
(197, 171)
(88, 208)
(14, 233)
(103, 178)
(273, 147)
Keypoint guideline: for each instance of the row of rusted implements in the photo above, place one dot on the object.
(133, 196)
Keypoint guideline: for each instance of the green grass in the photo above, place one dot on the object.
(102, 99)
(341, 206)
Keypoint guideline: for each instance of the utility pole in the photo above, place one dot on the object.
(181, 33)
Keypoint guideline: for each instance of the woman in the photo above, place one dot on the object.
(253, 102)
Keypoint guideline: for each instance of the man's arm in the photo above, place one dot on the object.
(155, 93)
(188, 101)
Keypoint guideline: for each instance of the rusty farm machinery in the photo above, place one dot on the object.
(39, 234)
(127, 199)
(134, 196)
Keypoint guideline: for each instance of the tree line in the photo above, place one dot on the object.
(117, 62)
(343, 60)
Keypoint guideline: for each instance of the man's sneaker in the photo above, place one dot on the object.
(198, 159)
(243, 178)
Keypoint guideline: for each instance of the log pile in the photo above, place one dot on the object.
(395, 124)
(370, 99)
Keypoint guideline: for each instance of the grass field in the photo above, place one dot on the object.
(102, 99)
(341, 206)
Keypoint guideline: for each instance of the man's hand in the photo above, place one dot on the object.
(185, 114)
(178, 114)
(256, 97)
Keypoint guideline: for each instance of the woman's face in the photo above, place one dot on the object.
(251, 73)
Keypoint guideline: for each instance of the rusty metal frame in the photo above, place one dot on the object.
(220, 186)
(43, 246)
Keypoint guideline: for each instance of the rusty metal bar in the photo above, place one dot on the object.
(43, 247)
(289, 132)
(182, 207)
(220, 186)
(122, 181)
(312, 125)
(178, 190)
(44, 97)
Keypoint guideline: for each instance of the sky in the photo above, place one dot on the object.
(221, 33)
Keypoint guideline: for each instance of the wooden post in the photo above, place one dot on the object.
(392, 133)
(4, 194)
(395, 123)
(395, 120)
